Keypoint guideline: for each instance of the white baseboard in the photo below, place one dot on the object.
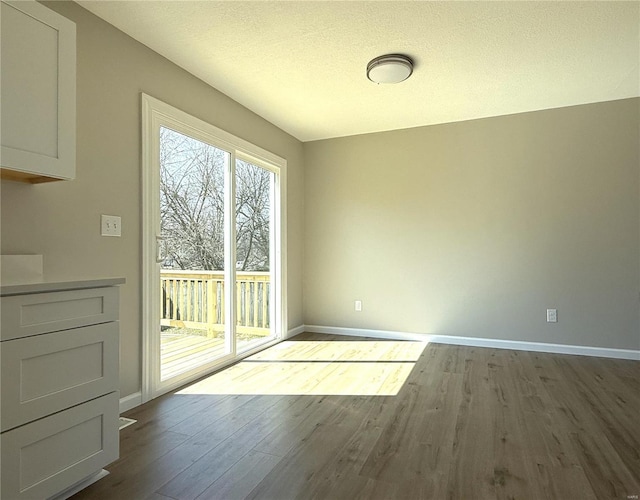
(294, 331)
(131, 401)
(376, 334)
(602, 352)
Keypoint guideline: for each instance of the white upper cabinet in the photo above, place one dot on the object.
(38, 90)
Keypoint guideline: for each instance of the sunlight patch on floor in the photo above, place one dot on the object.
(366, 368)
(342, 350)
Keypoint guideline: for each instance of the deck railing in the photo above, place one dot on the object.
(195, 299)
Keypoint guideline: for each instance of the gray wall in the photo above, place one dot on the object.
(475, 228)
(62, 220)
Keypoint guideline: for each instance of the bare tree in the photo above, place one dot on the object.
(192, 206)
(253, 203)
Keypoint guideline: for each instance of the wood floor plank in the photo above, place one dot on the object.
(241, 478)
(513, 475)
(351, 457)
(552, 462)
(607, 474)
(296, 475)
(196, 478)
(472, 473)
(446, 359)
(465, 423)
(615, 415)
(400, 452)
(296, 426)
(199, 476)
(340, 350)
(577, 418)
(231, 407)
(167, 412)
(157, 496)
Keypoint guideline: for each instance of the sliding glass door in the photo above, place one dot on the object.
(213, 259)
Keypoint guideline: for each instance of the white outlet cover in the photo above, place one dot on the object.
(552, 315)
(111, 225)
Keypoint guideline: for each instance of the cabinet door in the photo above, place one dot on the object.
(44, 374)
(45, 457)
(38, 87)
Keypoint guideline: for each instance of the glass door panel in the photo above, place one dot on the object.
(254, 216)
(193, 187)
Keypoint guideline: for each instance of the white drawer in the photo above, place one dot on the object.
(33, 314)
(48, 373)
(44, 457)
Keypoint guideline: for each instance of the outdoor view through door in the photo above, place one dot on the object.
(213, 258)
(192, 223)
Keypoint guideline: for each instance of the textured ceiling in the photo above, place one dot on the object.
(301, 65)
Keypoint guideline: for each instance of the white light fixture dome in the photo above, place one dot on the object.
(390, 68)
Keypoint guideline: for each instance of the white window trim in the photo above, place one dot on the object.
(156, 113)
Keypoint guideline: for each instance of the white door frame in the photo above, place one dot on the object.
(155, 114)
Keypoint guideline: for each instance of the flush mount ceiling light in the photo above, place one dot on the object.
(390, 68)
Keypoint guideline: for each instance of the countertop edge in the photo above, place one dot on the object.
(58, 286)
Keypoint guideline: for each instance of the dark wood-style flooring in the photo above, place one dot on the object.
(468, 423)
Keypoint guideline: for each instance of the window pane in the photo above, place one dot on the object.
(191, 202)
(254, 191)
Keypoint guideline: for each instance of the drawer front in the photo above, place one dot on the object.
(48, 373)
(33, 314)
(47, 456)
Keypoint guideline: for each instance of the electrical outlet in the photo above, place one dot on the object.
(111, 225)
(358, 305)
(552, 315)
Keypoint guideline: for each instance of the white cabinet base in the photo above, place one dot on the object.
(59, 386)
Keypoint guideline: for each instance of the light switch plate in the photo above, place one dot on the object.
(111, 225)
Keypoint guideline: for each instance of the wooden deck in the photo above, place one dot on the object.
(180, 352)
